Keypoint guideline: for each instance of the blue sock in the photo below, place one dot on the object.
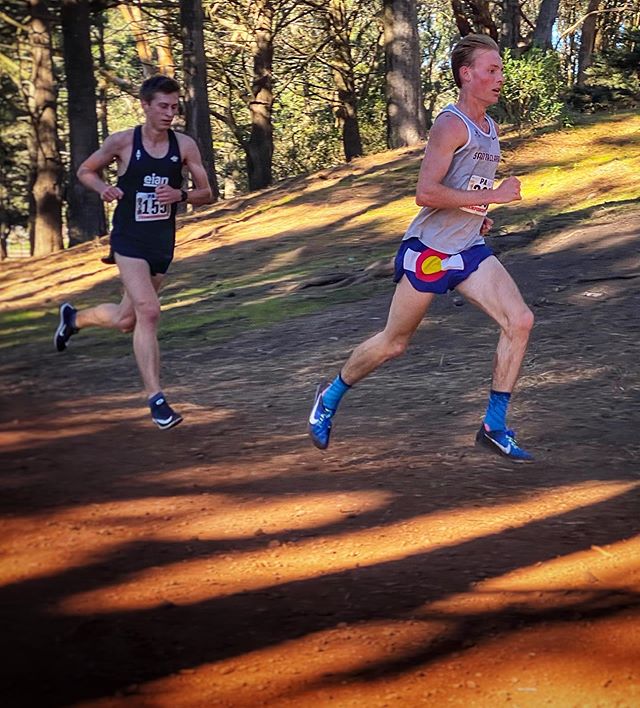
(333, 394)
(496, 416)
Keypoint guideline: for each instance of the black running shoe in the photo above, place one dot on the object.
(162, 414)
(66, 327)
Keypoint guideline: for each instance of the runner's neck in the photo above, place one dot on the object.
(154, 137)
(476, 113)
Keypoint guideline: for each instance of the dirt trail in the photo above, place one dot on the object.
(228, 563)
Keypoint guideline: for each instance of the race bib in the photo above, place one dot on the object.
(148, 208)
(477, 182)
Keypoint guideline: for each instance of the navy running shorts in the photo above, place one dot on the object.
(430, 271)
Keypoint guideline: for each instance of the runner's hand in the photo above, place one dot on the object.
(111, 194)
(507, 191)
(167, 195)
(487, 223)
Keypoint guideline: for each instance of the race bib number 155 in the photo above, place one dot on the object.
(477, 182)
(148, 208)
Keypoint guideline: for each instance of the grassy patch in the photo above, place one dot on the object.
(19, 327)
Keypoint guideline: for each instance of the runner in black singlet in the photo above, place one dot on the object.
(142, 226)
(151, 160)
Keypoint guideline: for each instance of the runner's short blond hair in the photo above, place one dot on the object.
(462, 54)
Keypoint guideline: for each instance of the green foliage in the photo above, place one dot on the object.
(531, 92)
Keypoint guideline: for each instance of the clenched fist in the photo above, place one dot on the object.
(167, 195)
(507, 191)
(111, 194)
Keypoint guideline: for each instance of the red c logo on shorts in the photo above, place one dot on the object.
(429, 265)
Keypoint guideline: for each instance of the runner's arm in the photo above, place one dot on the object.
(201, 194)
(447, 135)
(89, 172)
(193, 161)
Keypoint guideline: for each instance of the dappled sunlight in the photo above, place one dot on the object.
(567, 147)
(302, 664)
(25, 438)
(101, 530)
(196, 580)
(559, 582)
(230, 562)
(83, 417)
(553, 377)
(592, 242)
(527, 667)
(282, 260)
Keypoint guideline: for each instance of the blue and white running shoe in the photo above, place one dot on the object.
(503, 442)
(320, 420)
(162, 414)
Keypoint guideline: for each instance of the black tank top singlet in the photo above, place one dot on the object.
(139, 219)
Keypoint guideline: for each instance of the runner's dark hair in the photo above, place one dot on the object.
(157, 84)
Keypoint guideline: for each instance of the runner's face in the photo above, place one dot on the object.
(161, 110)
(484, 76)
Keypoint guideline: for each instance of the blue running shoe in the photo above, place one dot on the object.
(503, 442)
(65, 328)
(320, 420)
(162, 414)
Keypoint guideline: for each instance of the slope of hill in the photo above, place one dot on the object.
(272, 252)
(227, 562)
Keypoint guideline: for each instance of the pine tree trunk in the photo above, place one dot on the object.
(46, 203)
(195, 77)
(474, 16)
(86, 212)
(166, 62)
(510, 37)
(101, 106)
(406, 115)
(547, 15)
(259, 147)
(587, 42)
(346, 110)
(4, 235)
(462, 21)
(136, 24)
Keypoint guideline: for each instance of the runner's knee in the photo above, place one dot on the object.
(148, 312)
(522, 322)
(396, 346)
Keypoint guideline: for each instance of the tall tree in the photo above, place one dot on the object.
(511, 16)
(46, 203)
(406, 115)
(138, 26)
(547, 15)
(166, 62)
(474, 16)
(86, 212)
(587, 41)
(195, 78)
(259, 147)
(346, 110)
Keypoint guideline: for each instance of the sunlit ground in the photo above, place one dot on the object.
(506, 639)
(370, 576)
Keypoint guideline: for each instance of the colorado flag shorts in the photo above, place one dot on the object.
(430, 271)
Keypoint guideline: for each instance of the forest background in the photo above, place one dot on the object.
(274, 88)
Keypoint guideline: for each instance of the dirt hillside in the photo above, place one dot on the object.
(229, 563)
